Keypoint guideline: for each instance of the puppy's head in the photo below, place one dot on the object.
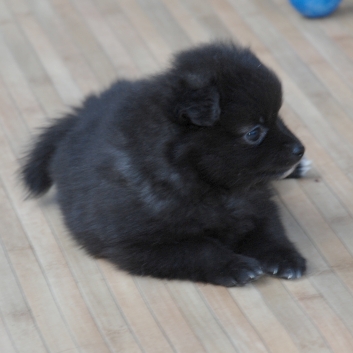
(227, 103)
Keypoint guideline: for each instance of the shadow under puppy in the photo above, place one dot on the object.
(169, 176)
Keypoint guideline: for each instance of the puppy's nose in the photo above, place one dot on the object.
(298, 149)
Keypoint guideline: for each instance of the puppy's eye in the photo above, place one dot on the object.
(256, 135)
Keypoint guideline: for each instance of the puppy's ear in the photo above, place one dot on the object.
(199, 107)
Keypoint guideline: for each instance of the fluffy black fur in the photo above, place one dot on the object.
(169, 176)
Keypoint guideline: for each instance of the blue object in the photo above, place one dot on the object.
(315, 8)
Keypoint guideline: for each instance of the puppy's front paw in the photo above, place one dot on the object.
(283, 263)
(238, 272)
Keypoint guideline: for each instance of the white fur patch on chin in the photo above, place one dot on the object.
(300, 169)
(305, 165)
(288, 172)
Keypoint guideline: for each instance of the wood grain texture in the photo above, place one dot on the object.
(54, 298)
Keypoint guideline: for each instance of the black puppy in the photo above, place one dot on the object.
(169, 176)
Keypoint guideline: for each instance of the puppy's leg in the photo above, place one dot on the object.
(198, 259)
(270, 246)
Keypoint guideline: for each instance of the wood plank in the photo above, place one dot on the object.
(93, 288)
(146, 30)
(128, 36)
(78, 29)
(109, 42)
(50, 273)
(56, 69)
(338, 60)
(328, 171)
(21, 326)
(169, 317)
(242, 334)
(330, 326)
(28, 61)
(303, 332)
(263, 319)
(135, 310)
(5, 341)
(331, 209)
(202, 321)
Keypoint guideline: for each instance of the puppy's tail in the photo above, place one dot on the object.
(35, 171)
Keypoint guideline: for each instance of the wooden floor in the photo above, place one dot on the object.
(54, 298)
